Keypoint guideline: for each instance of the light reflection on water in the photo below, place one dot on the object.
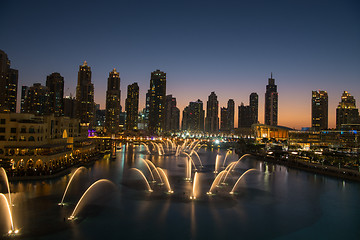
(275, 202)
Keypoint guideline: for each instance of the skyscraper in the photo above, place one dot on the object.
(271, 103)
(212, 114)
(24, 92)
(346, 112)
(112, 114)
(254, 105)
(55, 84)
(172, 114)
(193, 117)
(227, 117)
(319, 110)
(245, 119)
(37, 100)
(85, 95)
(157, 94)
(132, 107)
(8, 84)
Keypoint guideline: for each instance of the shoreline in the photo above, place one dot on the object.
(330, 171)
(58, 174)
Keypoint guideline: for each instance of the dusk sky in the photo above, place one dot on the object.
(229, 47)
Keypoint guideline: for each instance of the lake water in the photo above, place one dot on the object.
(274, 202)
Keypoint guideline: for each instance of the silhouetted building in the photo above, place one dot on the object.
(55, 84)
(113, 103)
(8, 85)
(37, 100)
(271, 103)
(172, 114)
(132, 107)
(212, 114)
(85, 96)
(227, 117)
(70, 107)
(193, 117)
(254, 104)
(346, 112)
(157, 94)
(245, 118)
(319, 110)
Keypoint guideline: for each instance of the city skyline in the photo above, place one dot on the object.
(232, 52)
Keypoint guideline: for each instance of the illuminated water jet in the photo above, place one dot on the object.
(216, 181)
(67, 186)
(237, 182)
(147, 148)
(12, 230)
(227, 153)
(91, 188)
(6, 180)
(190, 159)
(217, 162)
(193, 196)
(148, 167)
(154, 167)
(234, 165)
(144, 178)
(165, 177)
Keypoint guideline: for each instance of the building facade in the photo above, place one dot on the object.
(37, 100)
(254, 105)
(85, 96)
(55, 85)
(132, 107)
(157, 93)
(227, 117)
(212, 114)
(113, 103)
(8, 84)
(193, 117)
(172, 114)
(271, 103)
(346, 112)
(319, 110)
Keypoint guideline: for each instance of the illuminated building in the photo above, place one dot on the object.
(271, 103)
(8, 85)
(24, 91)
(268, 132)
(157, 93)
(319, 110)
(193, 117)
(346, 112)
(70, 107)
(254, 104)
(37, 100)
(41, 142)
(172, 114)
(212, 114)
(85, 96)
(55, 85)
(132, 107)
(113, 103)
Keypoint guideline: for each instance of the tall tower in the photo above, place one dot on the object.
(254, 105)
(212, 114)
(157, 93)
(346, 112)
(271, 103)
(132, 107)
(8, 84)
(55, 84)
(319, 110)
(85, 95)
(112, 115)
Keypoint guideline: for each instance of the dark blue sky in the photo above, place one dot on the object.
(229, 47)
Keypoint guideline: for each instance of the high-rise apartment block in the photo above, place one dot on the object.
(85, 96)
(271, 103)
(319, 110)
(212, 114)
(132, 107)
(172, 114)
(157, 93)
(8, 84)
(346, 112)
(55, 85)
(227, 117)
(113, 103)
(193, 117)
(37, 100)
